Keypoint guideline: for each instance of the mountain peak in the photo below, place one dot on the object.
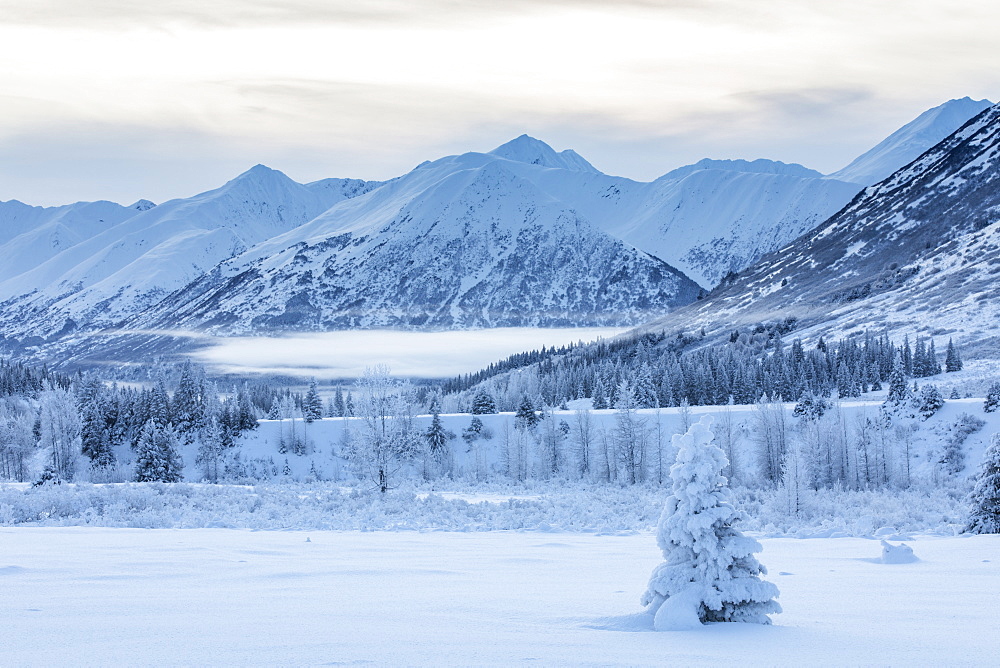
(142, 205)
(908, 142)
(257, 177)
(759, 166)
(533, 151)
(258, 170)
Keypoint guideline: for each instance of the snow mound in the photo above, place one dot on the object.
(897, 554)
(680, 611)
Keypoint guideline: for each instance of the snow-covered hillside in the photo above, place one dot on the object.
(462, 242)
(127, 267)
(916, 252)
(30, 235)
(907, 143)
(719, 216)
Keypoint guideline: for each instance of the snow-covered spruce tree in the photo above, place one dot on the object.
(472, 433)
(898, 390)
(952, 360)
(158, 457)
(312, 405)
(985, 497)
(600, 401)
(526, 417)
(929, 401)
(709, 573)
(992, 398)
(189, 404)
(437, 436)
(483, 404)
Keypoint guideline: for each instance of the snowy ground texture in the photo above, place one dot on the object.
(97, 596)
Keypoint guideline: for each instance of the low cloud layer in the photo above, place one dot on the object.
(345, 354)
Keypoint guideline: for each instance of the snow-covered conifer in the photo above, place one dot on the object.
(437, 436)
(526, 417)
(952, 360)
(483, 404)
(158, 457)
(600, 400)
(473, 431)
(985, 497)
(312, 405)
(992, 398)
(709, 573)
(898, 391)
(930, 401)
(188, 405)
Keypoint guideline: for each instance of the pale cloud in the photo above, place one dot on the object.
(95, 88)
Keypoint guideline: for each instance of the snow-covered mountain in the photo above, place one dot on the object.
(29, 235)
(124, 268)
(719, 216)
(907, 143)
(522, 235)
(915, 253)
(706, 219)
(462, 242)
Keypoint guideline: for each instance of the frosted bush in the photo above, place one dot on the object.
(562, 505)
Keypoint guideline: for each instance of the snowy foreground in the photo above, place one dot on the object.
(99, 596)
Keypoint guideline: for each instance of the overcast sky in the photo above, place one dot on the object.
(117, 99)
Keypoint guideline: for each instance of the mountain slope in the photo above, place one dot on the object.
(30, 235)
(705, 219)
(907, 143)
(130, 266)
(721, 216)
(462, 242)
(917, 252)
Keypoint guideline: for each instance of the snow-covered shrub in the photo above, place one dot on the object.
(930, 401)
(952, 458)
(985, 497)
(709, 573)
(811, 407)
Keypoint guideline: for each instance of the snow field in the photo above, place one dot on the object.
(94, 596)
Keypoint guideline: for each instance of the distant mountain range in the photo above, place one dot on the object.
(522, 235)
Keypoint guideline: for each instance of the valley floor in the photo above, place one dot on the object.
(100, 596)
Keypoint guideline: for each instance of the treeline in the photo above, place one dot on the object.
(18, 379)
(62, 424)
(664, 371)
(516, 361)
